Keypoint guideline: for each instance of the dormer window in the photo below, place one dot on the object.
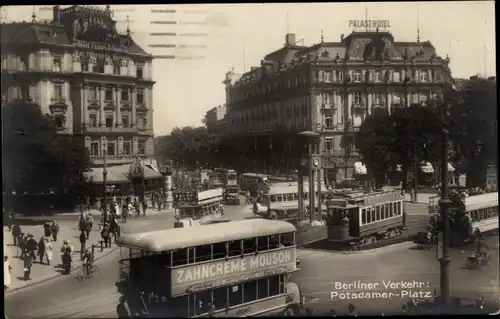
(327, 76)
(377, 76)
(84, 66)
(116, 69)
(423, 76)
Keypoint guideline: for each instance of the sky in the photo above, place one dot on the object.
(239, 35)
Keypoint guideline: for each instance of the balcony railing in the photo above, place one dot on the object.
(113, 159)
(111, 129)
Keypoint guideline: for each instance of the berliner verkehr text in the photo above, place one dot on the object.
(384, 284)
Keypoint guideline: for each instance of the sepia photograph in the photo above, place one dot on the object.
(249, 160)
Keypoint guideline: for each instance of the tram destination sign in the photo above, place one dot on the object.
(212, 274)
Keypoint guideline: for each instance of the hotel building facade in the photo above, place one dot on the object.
(328, 88)
(92, 81)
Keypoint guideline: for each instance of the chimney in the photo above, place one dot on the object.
(56, 14)
(290, 39)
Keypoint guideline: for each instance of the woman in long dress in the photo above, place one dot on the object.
(49, 255)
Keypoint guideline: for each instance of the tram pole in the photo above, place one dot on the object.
(444, 204)
(105, 184)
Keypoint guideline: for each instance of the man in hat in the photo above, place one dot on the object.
(31, 246)
(16, 234)
(105, 234)
(54, 228)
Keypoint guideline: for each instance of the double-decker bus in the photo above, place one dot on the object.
(193, 207)
(234, 269)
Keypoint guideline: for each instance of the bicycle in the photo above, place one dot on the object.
(82, 273)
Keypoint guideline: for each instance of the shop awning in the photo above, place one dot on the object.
(359, 168)
(427, 167)
(119, 174)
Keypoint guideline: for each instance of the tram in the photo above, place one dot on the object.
(195, 208)
(253, 182)
(282, 201)
(361, 218)
(235, 269)
(467, 213)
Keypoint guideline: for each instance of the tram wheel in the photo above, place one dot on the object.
(290, 311)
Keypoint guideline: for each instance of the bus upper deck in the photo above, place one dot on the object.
(240, 268)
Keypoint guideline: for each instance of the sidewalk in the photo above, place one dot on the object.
(95, 212)
(41, 273)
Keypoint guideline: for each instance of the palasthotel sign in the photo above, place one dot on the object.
(237, 269)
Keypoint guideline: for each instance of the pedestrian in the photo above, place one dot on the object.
(16, 234)
(49, 255)
(54, 228)
(10, 220)
(28, 262)
(83, 240)
(23, 238)
(82, 222)
(31, 246)
(41, 249)
(46, 229)
(153, 199)
(90, 224)
(105, 234)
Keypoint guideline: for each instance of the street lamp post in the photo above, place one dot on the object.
(444, 204)
(105, 183)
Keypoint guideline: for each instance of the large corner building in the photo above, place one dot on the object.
(94, 82)
(328, 88)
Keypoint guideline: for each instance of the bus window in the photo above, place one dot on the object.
(382, 211)
(179, 257)
(279, 198)
(289, 197)
(276, 285)
(235, 295)
(306, 196)
(368, 215)
(274, 242)
(249, 246)
(287, 239)
(249, 291)
(363, 216)
(199, 302)
(295, 196)
(399, 209)
(219, 298)
(190, 255)
(219, 251)
(273, 198)
(262, 288)
(203, 253)
(263, 244)
(235, 248)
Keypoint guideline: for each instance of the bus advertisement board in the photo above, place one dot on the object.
(236, 269)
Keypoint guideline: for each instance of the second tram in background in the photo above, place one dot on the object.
(195, 208)
(359, 218)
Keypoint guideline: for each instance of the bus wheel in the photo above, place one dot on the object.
(290, 311)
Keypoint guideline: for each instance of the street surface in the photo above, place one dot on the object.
(320, 272)
(65, 297)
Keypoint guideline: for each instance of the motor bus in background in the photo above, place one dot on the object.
(357, 218)
(470, 209)
(235, 269)
(196, 208)
(229, 179)
(255, 183)
(282, 201)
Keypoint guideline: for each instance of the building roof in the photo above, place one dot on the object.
(60, 32)
(357, 46)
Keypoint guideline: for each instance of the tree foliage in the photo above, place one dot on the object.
(190, 146)
(36, 157)
(475, 129)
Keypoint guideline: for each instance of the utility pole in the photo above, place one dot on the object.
(444, 204)
(105, 183)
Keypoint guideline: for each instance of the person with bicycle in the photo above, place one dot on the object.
(88, 261)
